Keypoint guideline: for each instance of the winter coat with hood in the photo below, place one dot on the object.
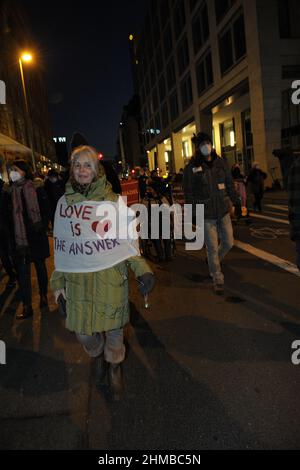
(97, 301)
(210, 184)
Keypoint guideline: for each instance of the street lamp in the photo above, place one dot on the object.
(27, 57)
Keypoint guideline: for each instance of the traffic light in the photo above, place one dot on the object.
(100, 156)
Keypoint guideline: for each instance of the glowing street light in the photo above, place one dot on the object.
(27, 57)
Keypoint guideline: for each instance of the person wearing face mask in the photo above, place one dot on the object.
(26, 211)
(55, 188)
(207, 180)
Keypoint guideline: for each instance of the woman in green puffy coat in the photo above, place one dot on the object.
(91, 274)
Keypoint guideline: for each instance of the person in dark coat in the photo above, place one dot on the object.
(255, 181)
(55, 188)
(207, 180)
(112, 177)
(5, 236)
(293, 187)
(26, 209)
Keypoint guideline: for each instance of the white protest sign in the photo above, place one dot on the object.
(86, 235)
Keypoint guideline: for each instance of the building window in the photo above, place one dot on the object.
(145, 114)
(239, 39)
(193, 4)
(165, 115)
(222, 7)
(179, 18)
(157, 122)
(204, 73)
(155, 98)
(232, 43)
(183, 55)
(155, 22)
(290, 72)
(186, 92)
(159, 60)
(164, 12)
(171, 75)
(168, 42)
(289, 18)
(152, 75)
(290, 121)
(147, 85)
(162, 88)
(200, 28)
(174, 111)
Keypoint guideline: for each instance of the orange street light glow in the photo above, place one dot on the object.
(26, 57)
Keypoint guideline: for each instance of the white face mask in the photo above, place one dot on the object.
(205, 149)
(15, 176)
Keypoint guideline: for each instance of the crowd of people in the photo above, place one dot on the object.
(96, 298)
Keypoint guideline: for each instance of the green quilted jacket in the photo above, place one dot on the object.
(97, 301)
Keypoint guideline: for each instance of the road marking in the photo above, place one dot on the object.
(277, 206)
(279, 262)
(260, 216)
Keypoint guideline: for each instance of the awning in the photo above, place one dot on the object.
(10, 145)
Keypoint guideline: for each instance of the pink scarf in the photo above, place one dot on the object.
(26, 189)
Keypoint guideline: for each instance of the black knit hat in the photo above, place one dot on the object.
(201, 137)
(24, 166)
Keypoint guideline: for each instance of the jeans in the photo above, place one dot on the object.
(257, 201)
(24, 279)
(215, 230)
(111, 342)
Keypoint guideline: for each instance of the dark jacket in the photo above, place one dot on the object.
(54, 192)
(293, 187)
(255, 180)
(37, 237)
(209, 184)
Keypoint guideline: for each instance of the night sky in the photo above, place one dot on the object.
(84, 51)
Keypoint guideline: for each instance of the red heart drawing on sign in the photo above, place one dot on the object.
(101, 228)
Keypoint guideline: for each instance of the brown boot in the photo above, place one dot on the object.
(116, 383)
(100, 369)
